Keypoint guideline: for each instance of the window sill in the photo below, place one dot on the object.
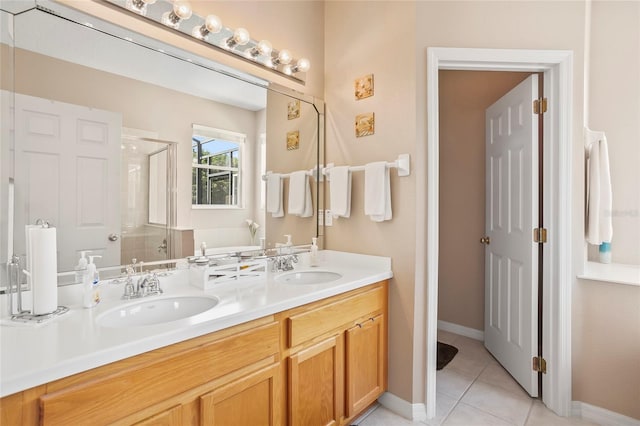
(616, 273)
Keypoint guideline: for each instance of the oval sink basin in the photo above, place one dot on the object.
(156, 311)
(308, 277)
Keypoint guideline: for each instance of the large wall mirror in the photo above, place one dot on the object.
(136, 150)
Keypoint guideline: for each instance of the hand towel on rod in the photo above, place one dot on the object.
(377, 191)
(599, 194)
(274, 195)
(300, 203)
(340, 191)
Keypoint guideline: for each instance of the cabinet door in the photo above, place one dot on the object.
(170, 417)
(252, 400)
(366, 361)
(316, 384)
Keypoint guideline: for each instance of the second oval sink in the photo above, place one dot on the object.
(308, 277)
(156, 311)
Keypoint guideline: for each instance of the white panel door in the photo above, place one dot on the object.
(511, 260)
(68, 174)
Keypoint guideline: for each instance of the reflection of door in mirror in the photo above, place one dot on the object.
(69, 157)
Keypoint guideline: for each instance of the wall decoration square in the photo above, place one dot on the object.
(364, 87)
(365, 124)
(293, 109)
(293, 140)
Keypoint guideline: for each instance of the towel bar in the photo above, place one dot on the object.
(402, 163)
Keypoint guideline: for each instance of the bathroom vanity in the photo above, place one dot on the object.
(271, 352)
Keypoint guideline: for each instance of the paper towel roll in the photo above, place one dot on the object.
(42, 265)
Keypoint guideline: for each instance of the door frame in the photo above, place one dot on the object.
(557, 68)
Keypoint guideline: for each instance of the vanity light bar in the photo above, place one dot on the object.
(179, 16)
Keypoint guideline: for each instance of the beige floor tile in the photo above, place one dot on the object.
(444, 405)
(472, 347)
(452, 383)
(495, 374)
(498, 402)
(542, 416)
(465, 415)
(468, 364)
(446, 337)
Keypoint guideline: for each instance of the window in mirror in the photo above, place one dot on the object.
(217, 157)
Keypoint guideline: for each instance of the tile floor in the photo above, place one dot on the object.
(473, 389)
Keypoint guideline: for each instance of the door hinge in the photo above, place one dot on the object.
(540, 364)
(539, 235)
(540, 106)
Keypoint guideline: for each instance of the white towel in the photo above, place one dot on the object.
(377, 191)
(274, 195)
(340, 191)
(599, 195)
(300, 203)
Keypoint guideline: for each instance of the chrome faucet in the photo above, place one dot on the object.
(283, 263)
(147, 285)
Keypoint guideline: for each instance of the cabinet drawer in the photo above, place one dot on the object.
(115, 396)
(315, 322)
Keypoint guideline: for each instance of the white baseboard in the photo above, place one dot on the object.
(461, 330)
(415, 412)
(601, 416)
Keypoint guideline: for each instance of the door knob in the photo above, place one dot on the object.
(113, 237)
(485, 240)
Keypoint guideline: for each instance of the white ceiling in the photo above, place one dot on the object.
(44, 33)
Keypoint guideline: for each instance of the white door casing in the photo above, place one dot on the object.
(511, 257)
(69, 157)
(557, 66)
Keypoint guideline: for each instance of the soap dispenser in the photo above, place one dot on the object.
(313, 252)
(81, 267)
(91, 293)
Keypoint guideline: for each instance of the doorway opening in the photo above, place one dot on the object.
(556, 68)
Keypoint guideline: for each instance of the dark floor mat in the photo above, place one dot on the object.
(445, 355)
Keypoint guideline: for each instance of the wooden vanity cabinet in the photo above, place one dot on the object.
(337, 357)
(318, 364)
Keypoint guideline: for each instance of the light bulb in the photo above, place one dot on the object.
(263, 48)
(181, 10)
(284, 58)
(241, 36)
(302, 65)
(287, 69)
(212, 24)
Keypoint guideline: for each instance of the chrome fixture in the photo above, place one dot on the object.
(283, 263)
(178, 15)
(139, 6)
(147, 285)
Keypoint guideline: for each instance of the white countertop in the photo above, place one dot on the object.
(72, 343)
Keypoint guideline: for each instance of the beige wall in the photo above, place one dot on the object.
(464, 97)
(614, 107)
(353, 49)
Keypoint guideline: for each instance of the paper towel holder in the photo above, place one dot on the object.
(14, 282)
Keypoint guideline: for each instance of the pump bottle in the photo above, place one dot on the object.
(90, 285)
